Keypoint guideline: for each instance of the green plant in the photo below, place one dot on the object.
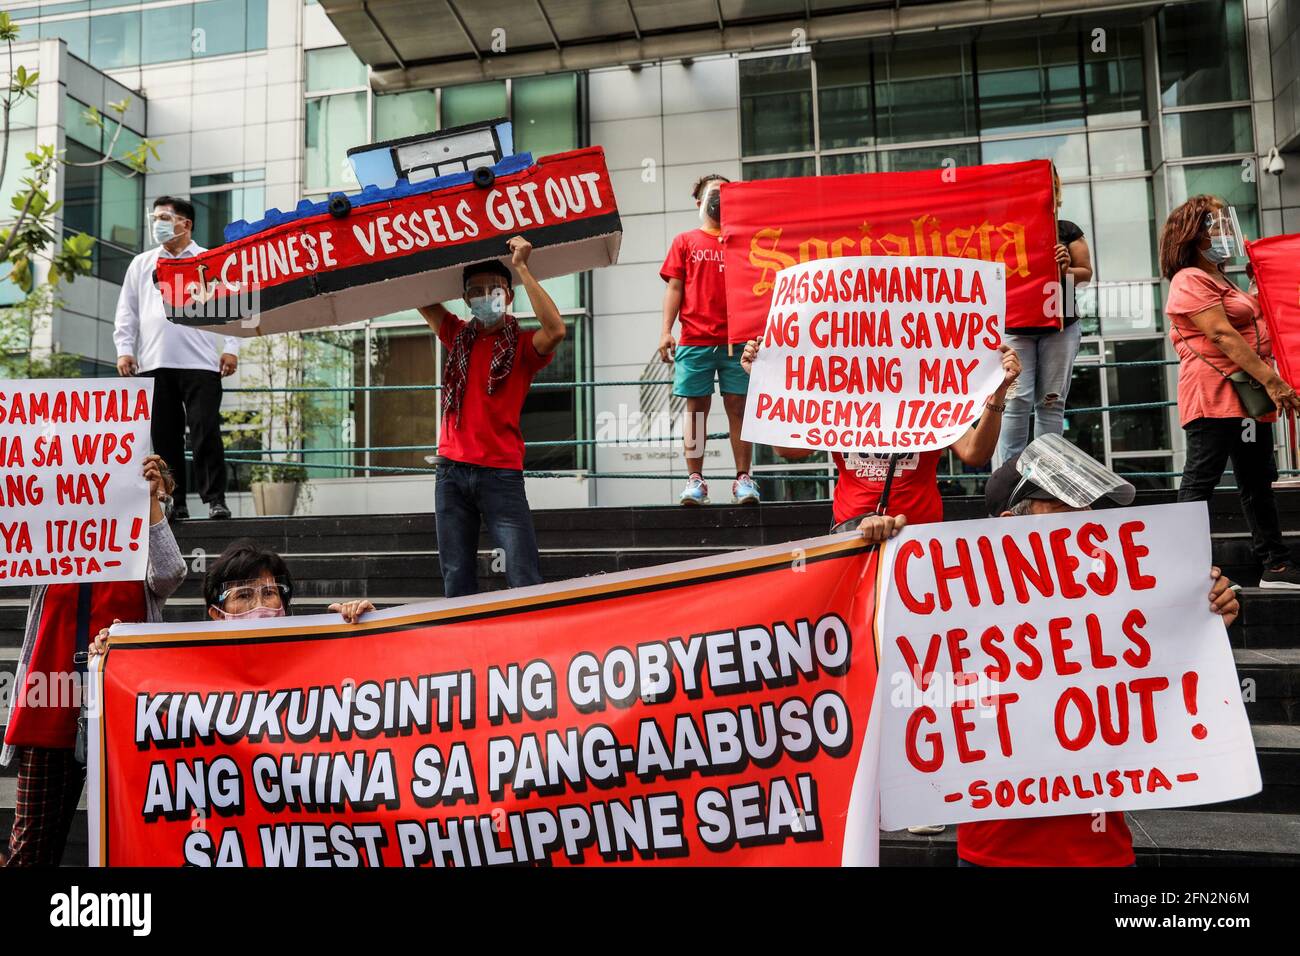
(283, 368)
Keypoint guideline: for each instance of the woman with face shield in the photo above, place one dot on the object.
(1228, 390)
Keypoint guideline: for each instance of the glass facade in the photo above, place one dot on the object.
(105, 200)
(111, 40)
(1076, 94)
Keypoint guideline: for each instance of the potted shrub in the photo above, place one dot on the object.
(275, 487)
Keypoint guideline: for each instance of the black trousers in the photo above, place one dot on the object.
(184, 396)
(1210, 443)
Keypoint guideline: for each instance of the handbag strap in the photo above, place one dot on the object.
(1223, 304)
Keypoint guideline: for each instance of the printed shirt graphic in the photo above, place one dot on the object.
(488, 432)
(914, 493)
(695, 257)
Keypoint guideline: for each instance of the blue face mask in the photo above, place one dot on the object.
(1219, 251)
(488, 310)
(163, 231)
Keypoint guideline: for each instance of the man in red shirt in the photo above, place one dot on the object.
(490, 365)
(697, 292)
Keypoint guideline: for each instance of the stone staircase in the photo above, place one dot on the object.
(392, 559)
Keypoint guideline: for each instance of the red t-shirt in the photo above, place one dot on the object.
(914, 493)
(695, 257)
(41, 715)
(486, 429)
(1047, 841)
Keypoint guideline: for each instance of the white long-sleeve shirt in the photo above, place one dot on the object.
(142, 329)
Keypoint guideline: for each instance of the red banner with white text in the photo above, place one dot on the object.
(703, 713)
(1002, 213)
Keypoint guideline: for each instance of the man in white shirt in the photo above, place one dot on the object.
(186, 364)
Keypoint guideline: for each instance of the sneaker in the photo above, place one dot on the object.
(696, 492)
(1285, 577)
(744, 491)
(927, 830)
(218, 510)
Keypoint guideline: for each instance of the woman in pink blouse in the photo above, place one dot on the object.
(1218, 330)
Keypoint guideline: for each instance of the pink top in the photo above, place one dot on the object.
(1202, 391)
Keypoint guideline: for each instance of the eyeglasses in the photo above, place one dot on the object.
(250, 594)
(165, 217)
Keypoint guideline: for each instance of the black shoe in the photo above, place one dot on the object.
(1285, 577)
(218, 510)
(179, 514)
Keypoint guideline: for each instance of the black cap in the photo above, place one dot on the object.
(1002, 486)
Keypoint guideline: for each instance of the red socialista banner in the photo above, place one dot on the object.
(703, 713)
(1001, 213)
(1278, 277)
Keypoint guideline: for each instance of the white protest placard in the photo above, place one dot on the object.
(1056, 664)
(74, 505)
(877, 353)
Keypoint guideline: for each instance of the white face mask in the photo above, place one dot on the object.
(163, 231)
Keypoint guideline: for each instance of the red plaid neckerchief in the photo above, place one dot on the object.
(456, 372)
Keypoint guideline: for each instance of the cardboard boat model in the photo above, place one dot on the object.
(431, 204)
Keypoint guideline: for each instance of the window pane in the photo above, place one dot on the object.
(1218, 179)
(115, 40)
(545, 113)
(1138, 429)
(924, 92)
(1202, 53)
(78, 127)
(334, 125)
(219, 27)
(255, 27)
(1029, 82)
(81, 191)
(21, 142)
(403, 356)
(1112, 68)
(776, 105)
(1124, 245)
(473, 103)
(166, 34)
(405, 114)
(1069, 153)
(122, 208)
(779, 168)
(331, 359)
(1085, 431)
(929, 157)
(216, 210)
(1121, 307)
(848, 163)
(1118, 151)
(335, 68)
(76, 33)
(1208, 133)
(844, 95)
(551, 414)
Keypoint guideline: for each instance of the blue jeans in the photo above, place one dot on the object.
(466, 495)
(1046, 362)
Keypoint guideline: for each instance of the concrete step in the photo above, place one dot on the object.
(1189, 837)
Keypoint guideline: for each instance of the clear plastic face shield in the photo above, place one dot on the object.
(1068, 475)
(1227, 241)
(257, 597)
